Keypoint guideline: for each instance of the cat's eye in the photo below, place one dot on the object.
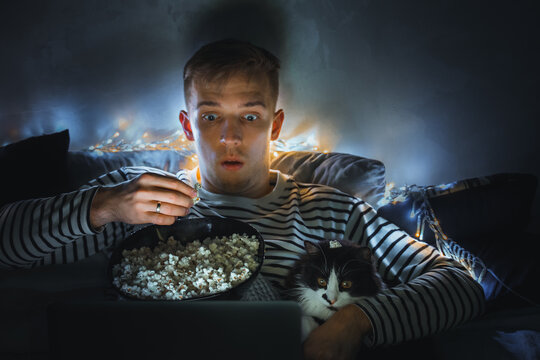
(321, 282)
(346, 284)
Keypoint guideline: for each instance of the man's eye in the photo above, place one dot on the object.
(210, 117)
(250, 117)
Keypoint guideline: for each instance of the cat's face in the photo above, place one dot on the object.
(332, 277)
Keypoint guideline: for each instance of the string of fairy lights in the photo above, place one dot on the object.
(176, 141)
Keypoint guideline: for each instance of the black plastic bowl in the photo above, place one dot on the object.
(185, 231)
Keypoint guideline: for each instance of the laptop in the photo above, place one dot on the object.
(175, 330)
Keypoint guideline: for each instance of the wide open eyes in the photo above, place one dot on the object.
(321, 282)
(210, 117)
(346, 284)
(251, 117)
(248, 117)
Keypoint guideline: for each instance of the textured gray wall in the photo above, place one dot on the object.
(437, 90)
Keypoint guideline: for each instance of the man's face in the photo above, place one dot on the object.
(232, 125)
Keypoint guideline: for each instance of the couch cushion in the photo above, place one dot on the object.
(84, 166)
(355, 175)
(34, 167)
(472, 206)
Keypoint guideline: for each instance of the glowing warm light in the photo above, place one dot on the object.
(123, 124)
(177, 141)
(417, 235)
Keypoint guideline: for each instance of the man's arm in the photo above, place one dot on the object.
(57, 229)
(434, 293)
(340, 336)
(71, 226)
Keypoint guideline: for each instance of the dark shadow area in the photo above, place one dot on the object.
(262, 23)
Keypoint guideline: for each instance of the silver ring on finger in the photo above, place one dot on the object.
(158, 207)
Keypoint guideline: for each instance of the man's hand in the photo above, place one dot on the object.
(339, 337)
(135, 201)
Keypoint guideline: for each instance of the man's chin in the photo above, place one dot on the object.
(230, 188)
(232, 181)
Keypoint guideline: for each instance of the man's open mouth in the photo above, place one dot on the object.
(232, 164)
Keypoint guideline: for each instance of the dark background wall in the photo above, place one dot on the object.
(437, 90)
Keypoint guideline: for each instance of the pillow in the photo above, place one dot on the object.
(472, 206)
(486, 217)
(355, 175)
(84, 166)
(33, 167)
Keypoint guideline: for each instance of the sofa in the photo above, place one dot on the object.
(485, 216)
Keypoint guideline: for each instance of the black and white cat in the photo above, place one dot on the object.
(329, 276)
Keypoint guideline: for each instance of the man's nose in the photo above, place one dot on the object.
(231, 133)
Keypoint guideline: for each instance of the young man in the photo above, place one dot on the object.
(231, 91)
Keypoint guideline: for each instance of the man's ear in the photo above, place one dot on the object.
(276, 124)
(186, 125)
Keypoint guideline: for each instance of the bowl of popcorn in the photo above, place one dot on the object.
(193, 259)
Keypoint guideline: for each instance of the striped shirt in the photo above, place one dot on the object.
(433, 292)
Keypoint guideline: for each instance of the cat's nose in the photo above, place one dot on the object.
(331, 302)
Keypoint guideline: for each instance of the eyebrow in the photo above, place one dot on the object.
(248, 104)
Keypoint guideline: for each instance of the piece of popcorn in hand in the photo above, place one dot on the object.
(196, 199)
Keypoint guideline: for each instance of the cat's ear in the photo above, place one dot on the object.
(364, 252)
(310, 248)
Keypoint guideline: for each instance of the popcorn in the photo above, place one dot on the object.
(196, 199)
(173, 271)
(334, 244)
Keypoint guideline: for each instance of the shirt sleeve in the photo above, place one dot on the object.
(57, 229)
(433, 292)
